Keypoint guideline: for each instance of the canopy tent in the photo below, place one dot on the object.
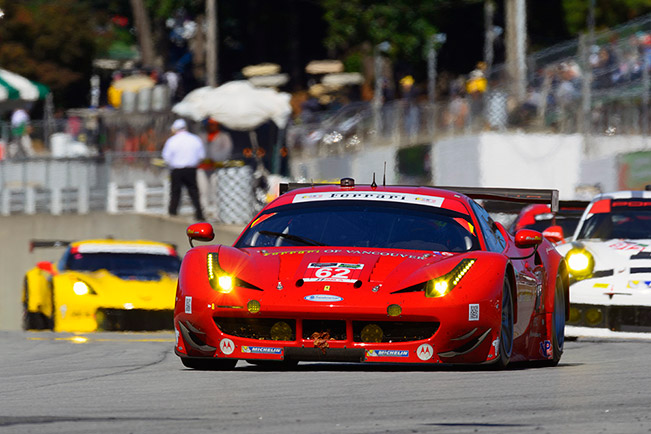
(16, 87)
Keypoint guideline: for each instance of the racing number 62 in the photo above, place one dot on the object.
(330, 272)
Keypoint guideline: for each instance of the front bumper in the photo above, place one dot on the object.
(619, 303)
(448, 338)
(614, 317)
(85, 318)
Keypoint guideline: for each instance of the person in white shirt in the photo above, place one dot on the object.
(182, 153)
(21, 141)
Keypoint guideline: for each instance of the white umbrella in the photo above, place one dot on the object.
(237, 105)
(192, 106)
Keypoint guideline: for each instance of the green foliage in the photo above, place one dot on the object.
(50, 42)
(162, 9)
(407, 24)
(353, 62)
(608, 13)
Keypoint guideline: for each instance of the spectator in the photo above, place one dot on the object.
(475, 88)
(21, 141)
(182, 153)
(409, 93)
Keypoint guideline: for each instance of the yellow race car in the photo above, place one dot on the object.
(102, 284)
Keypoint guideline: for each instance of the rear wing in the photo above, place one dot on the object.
(519, 195)
(573, 204)
(36, 244)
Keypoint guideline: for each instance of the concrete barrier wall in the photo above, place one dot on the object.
(562, 161)
(17, 230)
(511, 160)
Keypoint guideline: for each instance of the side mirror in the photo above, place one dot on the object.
(200, 232)
(525, 238)
(554, 234)
(48, 267)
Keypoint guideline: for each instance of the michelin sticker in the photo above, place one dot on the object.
(261, 350)
(387, 353)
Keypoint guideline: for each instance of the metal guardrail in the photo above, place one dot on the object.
(139, 197)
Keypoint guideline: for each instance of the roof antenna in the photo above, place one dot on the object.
(312, 181)
(373, 184)
(384, 177)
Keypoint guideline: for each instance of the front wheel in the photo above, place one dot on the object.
(209, 364)
(32, 320)
(506, 329)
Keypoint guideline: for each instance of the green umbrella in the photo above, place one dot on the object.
(17, 87)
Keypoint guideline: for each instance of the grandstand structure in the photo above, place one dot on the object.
(590, 86)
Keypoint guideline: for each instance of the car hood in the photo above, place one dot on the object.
(382, 269)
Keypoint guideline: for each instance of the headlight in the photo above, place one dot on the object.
(442, 285)
(220, 280)
(82, 288)
(580, 263)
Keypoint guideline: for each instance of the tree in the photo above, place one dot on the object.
(50, 42)
(143, 29)
(356, 26)
(608, 13)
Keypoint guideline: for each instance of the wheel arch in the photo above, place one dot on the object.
(510, 275)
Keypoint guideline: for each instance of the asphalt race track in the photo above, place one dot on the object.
(133, 383)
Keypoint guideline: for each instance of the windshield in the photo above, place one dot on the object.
(362, 224)
(123, 263)
(621, 222)
(568, 224)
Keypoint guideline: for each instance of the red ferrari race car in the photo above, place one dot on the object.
(369, 273)
(556, 227)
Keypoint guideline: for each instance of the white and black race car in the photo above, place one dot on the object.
(609, 259)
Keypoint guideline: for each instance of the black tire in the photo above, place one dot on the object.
(209, 364)
(51, 320)
(506, 328)
(32, 320)
(558, 324)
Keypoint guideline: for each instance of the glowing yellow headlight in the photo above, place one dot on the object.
(80, 288)
(442, 285)
(218, 278)
(225, 283)
(580, 263)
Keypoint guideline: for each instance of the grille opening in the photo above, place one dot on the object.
(252, 328)
(134, 319)
(398, 331)
(616, 318)
(337, 329)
